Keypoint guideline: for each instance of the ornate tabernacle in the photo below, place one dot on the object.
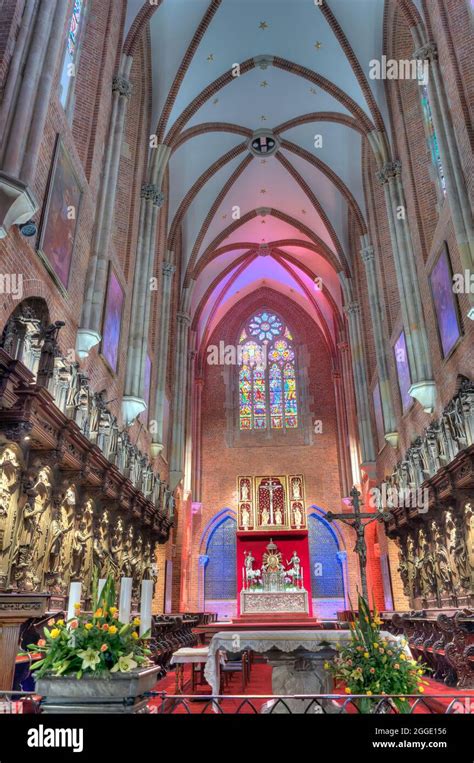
(436, 536)
(273, 588)
(271, 503)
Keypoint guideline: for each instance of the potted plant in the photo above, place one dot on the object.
(373, 665)
(93, 662)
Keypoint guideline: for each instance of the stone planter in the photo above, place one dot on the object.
(112, 693)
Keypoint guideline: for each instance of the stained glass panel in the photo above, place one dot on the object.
(245, 387)
(276, 397)
(267, 379)
(433, 144)
(259, 402)
(70, 56)
(291, 411)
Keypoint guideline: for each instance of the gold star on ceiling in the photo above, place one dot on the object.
(263, 222)
(263, 25)
(303, 211)
(313, 90)
(263, 190)
(318, 45)
(264, 83)
(216, 100)
(263, 161)
(210, 57)
(263, 118)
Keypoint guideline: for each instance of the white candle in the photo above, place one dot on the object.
(125, 601)
(100, 588)
(74, 598)
(145, 606)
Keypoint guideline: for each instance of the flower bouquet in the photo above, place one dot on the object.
(373, 665)
(92, 644)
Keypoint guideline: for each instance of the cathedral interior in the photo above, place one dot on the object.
(237, 315)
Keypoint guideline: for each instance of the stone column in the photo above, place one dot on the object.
(29, 80)
(179, 399)
(351, 411)
(133, 402)
(203, 560)
(423, 387)
(359, 370)
(43, 94)
(381, 342)
(165, 305)
(88, 334)
(197, 453)
(456, 188)
(342, 434)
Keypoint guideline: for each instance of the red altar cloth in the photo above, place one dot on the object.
(287, 542)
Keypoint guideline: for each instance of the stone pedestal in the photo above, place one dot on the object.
(301, 672)
(15, 609)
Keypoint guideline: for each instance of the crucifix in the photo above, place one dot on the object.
(356, 521)
(271, 487)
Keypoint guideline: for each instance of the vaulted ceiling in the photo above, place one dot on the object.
(249, 219)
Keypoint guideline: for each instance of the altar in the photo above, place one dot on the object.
(275, 587)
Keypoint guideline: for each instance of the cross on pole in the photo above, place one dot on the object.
(271, 487)
(356, 521)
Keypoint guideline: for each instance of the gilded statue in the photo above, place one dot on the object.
(443, 565)
(81, 538)
(9, 483)
(101, 546)
(426, 574)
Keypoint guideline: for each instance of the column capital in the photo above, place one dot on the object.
(427, 52)
(389, 171)
(151, 192)
(368, 254)
(184, 319)
(353, 308)
(168, 269)
(121, 85)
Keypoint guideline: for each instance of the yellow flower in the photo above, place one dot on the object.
(347, 690)
(421, 689)
(55, 632)
(113, 630)
(59, 622)
(420, 672)
(98, 612)
(136, 621)
(134, 635)
(376, 646)
(366, 655)
(369, 693)
(403, 657)
(88, 626)
(113, 610)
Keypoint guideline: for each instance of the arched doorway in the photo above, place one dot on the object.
(327, 572)
(220, 581)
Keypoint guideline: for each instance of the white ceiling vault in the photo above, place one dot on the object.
(296, 201)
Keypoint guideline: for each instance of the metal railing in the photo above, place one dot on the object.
(19, 702)
(297, 704)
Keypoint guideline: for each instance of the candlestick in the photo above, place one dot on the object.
(74, 598)
(125, 600)
(145, 606)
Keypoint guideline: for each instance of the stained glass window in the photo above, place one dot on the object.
(220, 575)
(70, 57)
(432, 138)
(267, 376)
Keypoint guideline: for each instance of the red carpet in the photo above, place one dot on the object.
(261, 684)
